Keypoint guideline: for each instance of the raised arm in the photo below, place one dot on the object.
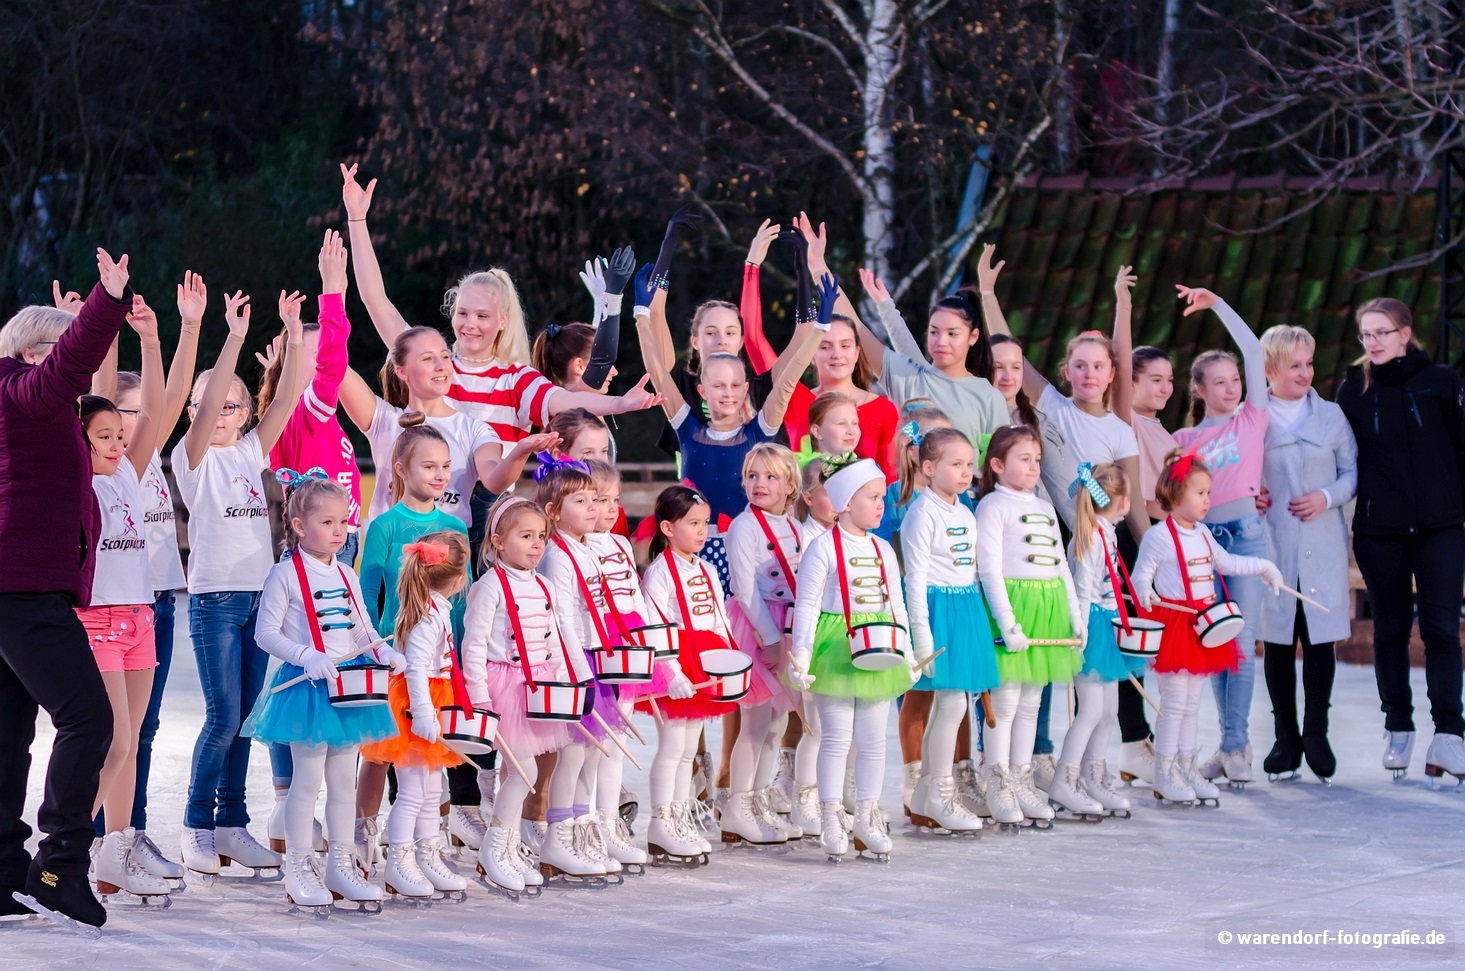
(889, 326)
(272, 420)
(498, 471)
(750, 305)
(335, 330)
(104, 382)
(193, 299)
(1253, 361)
(1033, 382)
(66, 373)
(1123, 387)
(818, 243)
(658, 367)
(385, 317)
(606, 346)
(358, 399)
(148, 430)
(806, 342)
(221, 379)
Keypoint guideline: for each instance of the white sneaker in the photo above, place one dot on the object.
(783, 782)
(234, 844)
(342, 876)
(303, 884)
(806, 809)
(910, 777)
(404, 877)
(496, 860)
(871, 828)
(199, 852)
(1446, 756)
(1066, 791)
(118, 870)
(832, 836)
(444, 879)
(1044, 771)
(1094, 780)
(1137, 762)
(151, 859)
(466, 826)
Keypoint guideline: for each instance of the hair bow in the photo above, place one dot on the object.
(553, 331)
(431, 554)
(548, 463)
(912, 430)
(289, 478)
(833, 463)
(1087, 481)
(1180, 468)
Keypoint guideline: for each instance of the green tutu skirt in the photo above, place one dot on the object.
(835, 675)
(1041, 610)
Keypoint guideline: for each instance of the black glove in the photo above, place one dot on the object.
(619, 270)
(684, 217)
(804, 303)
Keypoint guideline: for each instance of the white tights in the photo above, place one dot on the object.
(508, 808)
(755, 753)
(806, 754)
(846, 721)
(938, 745)
(1015, 707)
(1175, 729)
(416, 812)
(608, 772)
(314, 764)
(671, 767)
(1098, 710)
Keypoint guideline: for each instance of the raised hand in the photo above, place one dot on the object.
(541, 442)
(142, 319)
(290, 314)
(762, 239)
(356, 199)
(1124, 281)
(193, 298)
(643, 289)
(874, 286)
(1196, 299)
(816, 242)
(618, 271)
(683, 218)
(70, 301)
(114, 275)
(272, 352)
(593, 276)
(639, 398)
(686, 217)
(332, 263)
(236, 314)
(828, 294)
(986, 272)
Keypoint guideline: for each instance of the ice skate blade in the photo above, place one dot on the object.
(873, 857)
(925, 824)
(450, 897)
(203, 879)
(555, 877)
(1398, 773)
(261, 874)
(1288, 776)
(60, 920)
(733, 839)
(363, 908)
(1236, 785)
(1073, 816)
(1012, 829)
(1041, 825)
(109, 893)
(1174, 803)
(660, 857)
(320, 912)
(1208, 802)
(421, 903)
(10, 922)
(1121, 814)
(1434, 777)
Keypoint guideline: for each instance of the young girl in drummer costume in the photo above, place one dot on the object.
(433, 569)
(1081, 782)
(310, 617)
(1031, 597)
(947, 611)
(688, 586)
(510, 606)
(847, 579)
(763, 547)
(1177, 564)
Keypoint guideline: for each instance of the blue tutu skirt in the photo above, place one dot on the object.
(303, 713)
(960, 623)
(1101, 657)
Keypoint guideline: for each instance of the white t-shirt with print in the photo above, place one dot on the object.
(165, 565)
(464, 436)
(122, 556)
(229, 543)
(1071, 436)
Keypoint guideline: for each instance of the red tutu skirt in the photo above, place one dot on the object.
(1180, 646)
(406, 748)
(764, 686)
(699, 706)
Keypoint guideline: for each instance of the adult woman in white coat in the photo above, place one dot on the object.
(1310, 468)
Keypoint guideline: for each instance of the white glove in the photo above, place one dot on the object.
(1145, 595)
(1080, 630)
(318, 665)
(916, 668)
(424, 723)
(1014, 638)
(1272, 576)
(798, 677)
(393, 658)
(593, 276)
(680, 688)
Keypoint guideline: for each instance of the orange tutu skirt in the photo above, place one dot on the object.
(406, 748)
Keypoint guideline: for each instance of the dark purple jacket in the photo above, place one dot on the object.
(49, 519)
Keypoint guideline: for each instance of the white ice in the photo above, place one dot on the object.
(1150, 892)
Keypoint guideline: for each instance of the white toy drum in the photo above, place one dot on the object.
(731, 673)
(359, 686)
(626, 664)
(875, 646)
(1143, 638)
(471, 729)
(1219, 624)
(560, 701)
(661, 638)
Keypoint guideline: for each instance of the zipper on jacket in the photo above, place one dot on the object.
(1414, 407)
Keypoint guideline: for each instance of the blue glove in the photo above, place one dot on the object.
(828, 293)
(642, 286)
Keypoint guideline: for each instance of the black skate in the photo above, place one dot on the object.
(1320, 758)
(66, 901)
(1283, 760)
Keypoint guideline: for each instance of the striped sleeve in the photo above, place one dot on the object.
(509, 398)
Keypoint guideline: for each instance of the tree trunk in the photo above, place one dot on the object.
(882, 40)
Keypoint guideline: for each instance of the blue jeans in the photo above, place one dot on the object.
(1241, 537)
(231, 671)
(1043, 741)
(347, 553)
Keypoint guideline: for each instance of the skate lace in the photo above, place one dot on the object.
(307, 872)
(594, 841)
(144, 845)
(950, 799)
(432, 852)
(763, 808)
(621, 831)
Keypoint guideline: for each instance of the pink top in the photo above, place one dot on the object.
(313, 435)
(1232, 449)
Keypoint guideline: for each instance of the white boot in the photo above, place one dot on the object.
(1398, 752)
(741, 822)
(617, 836)
(199, 852)
(832, 837)
(234, 844)
(1137, 762)
(367, 850)
(303, 886)
(404, 877)
(1095, 782)
(559, 854)
(1002, 795)
(1044, 770)
(849, 790)
(531, 834)
(1032, 802)
(466, 826)
(1237, 765)
(591, 843)
(1169, 782)
(344, 880)
(783, 782)
(666, 837)
(1067, 792)
(943, 808)
(683, 813)
(444, 879)
(870, 829)
(275, 828)
(806, 809)
(151, 859)
(910, 777)
(496, 860)
(1446, 756)
(527, 862)
(969, 788)
(1204, 788)
(118, 870)
(763, 806)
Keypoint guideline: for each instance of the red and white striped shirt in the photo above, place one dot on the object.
(509, 398)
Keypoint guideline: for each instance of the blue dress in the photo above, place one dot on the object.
(713, 463)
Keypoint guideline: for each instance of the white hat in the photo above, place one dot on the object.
(842, 485)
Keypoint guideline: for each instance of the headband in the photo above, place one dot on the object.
(1087, 481)
(289, 478)
(493, 527)
(548, 463)
(431, 554)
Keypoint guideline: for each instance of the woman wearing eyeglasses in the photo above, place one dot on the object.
(1408, 418)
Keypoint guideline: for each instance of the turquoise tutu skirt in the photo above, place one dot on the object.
(303, 713)
(960, 623)
(1101, 657)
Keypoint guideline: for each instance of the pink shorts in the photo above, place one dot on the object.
(121, 637)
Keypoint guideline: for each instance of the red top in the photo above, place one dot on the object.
(760, 353)
(879, 424)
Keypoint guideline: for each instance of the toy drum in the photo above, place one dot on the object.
(875, 646)
(626, 664)
(558, 701)
(1219, 623)
(359, 686)
(730, 671)
(661, 638)
(1143, 638)
(471, 729)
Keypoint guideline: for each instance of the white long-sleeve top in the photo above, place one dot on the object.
(573, 611)
(757, 576)
(283, 626)
(703, 590)
(618, 566)
(1090, 575)
(429, 650)
(938, 544)
(488, 630)
(1158, 566)
(820, 590)
(810, 528)
(1017, 534)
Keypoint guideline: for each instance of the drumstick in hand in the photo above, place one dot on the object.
(655, 710)
(614, 737)
(1304, 598)
(459, 753)
(349, 657)
(695, 687)
(1055, 642)
(931, 658)
(1169, 606)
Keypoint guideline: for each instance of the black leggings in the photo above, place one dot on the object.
(1318, 664)
(1132, 724)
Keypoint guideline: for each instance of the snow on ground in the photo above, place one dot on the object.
(1156, 891)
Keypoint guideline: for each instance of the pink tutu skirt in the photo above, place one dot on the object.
(524, 736)
(660, 673)
(765, 687)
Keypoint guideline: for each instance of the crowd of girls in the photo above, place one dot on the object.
(936, 525)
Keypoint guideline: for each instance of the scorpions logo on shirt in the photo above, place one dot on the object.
(129, 540)
(254, 504)
(162, 507)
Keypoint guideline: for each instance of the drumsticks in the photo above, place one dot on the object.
(1145, 695)
(515, 763)
(1055, 642)
(614, 738)
(930, 659)
(695, 688)
(1304, 598)
(349, 657)
(632, 729)
(655, 710)
(1169, 606)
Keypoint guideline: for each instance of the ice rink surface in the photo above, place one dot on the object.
(1156, 892)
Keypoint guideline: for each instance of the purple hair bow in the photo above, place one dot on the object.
(548, 463)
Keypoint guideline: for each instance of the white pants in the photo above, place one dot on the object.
(1015, 708)
(938, 745)
(755, 752)
(851, 721)
(314, 764)
(416, 813)
(1098, 710)
(671, 767)
(1175, 729)
(806, 754)
(609, 769)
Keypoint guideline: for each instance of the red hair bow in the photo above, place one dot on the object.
(431, 554)
(1180, 468)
